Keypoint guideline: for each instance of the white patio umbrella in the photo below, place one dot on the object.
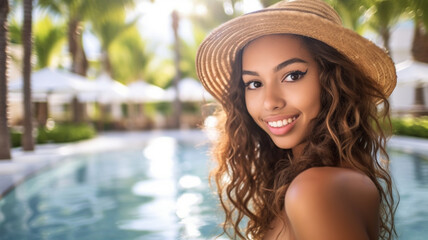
(412, 73)
(106, 90)
(190, 90)
(48, 80)
(140, 91)
(52, 86)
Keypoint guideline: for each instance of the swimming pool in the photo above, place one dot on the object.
(410, 173)
(158, 191)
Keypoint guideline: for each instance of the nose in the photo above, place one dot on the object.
(274, 98)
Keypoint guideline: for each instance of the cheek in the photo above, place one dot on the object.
(253, 107)
(313, 101)
(307, 99)
(250, 107)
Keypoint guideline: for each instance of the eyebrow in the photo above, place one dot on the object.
(278, 67)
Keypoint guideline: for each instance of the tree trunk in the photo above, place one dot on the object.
(75, 47)
(27, 138)
(419, 108)
(42, 113)
(177, 103)
(386, 35)
(105, 58)
(78, 110)
(420, 43)
(4, 130)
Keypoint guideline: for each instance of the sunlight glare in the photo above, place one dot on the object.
(161, 155)
(210, 127)
(189, 181)
(188, 202)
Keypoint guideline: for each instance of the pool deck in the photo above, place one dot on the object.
(24, 164)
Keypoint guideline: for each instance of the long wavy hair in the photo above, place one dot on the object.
(351, 130)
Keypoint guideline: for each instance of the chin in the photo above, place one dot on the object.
(284, 143)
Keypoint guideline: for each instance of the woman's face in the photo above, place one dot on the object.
(282, 89)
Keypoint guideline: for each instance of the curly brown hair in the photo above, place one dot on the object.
(351, 131)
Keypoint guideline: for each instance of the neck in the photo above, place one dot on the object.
(298, 150)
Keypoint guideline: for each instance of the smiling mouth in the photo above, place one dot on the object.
(282, 123)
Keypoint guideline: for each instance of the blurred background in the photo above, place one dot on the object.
(129, 64)
(75, 69)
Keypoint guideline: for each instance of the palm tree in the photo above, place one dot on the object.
(215, 14)
(48, 40)
(71, 10)
(351, 13)
(4, 131)
(382, 15)
(76, 12)
(129, 56)
(27, 137)
(177, 77)
(419, 8)
(188, 53)
(108, 30)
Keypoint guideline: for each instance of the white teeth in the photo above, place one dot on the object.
(281, 123)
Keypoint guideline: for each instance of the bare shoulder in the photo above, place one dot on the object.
(333, 200)
(332, 180)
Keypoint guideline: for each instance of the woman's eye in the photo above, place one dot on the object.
(253, 85)
(294, 76)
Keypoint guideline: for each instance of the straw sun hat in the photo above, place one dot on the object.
(311, 18)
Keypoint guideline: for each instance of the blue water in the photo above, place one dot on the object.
(156, 192)
(410, 173)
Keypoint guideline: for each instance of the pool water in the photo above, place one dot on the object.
(159, 191)
(410, 173)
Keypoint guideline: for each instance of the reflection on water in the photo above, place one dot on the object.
(421, 170)
(157, 192)
(410, 173)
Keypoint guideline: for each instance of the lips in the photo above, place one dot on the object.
(281, 125)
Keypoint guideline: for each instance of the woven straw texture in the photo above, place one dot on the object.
(311, 18)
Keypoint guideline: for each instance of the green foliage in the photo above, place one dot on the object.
(160, 72)
(48, 40)
(382, 15)
(65, 133)
(191, 107)
(216, 13)
(416, 127)
(109, 29)
(267, 3)
(68, 133)
(61, 133)
(164, 108)
(15, 29)
(419, 10)
(15, 138)
(129, 50)
(351, 13)
(84, 9)
(43, 136)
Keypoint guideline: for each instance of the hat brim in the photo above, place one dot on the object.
(218, 51)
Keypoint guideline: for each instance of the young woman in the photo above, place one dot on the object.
(301, 153)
